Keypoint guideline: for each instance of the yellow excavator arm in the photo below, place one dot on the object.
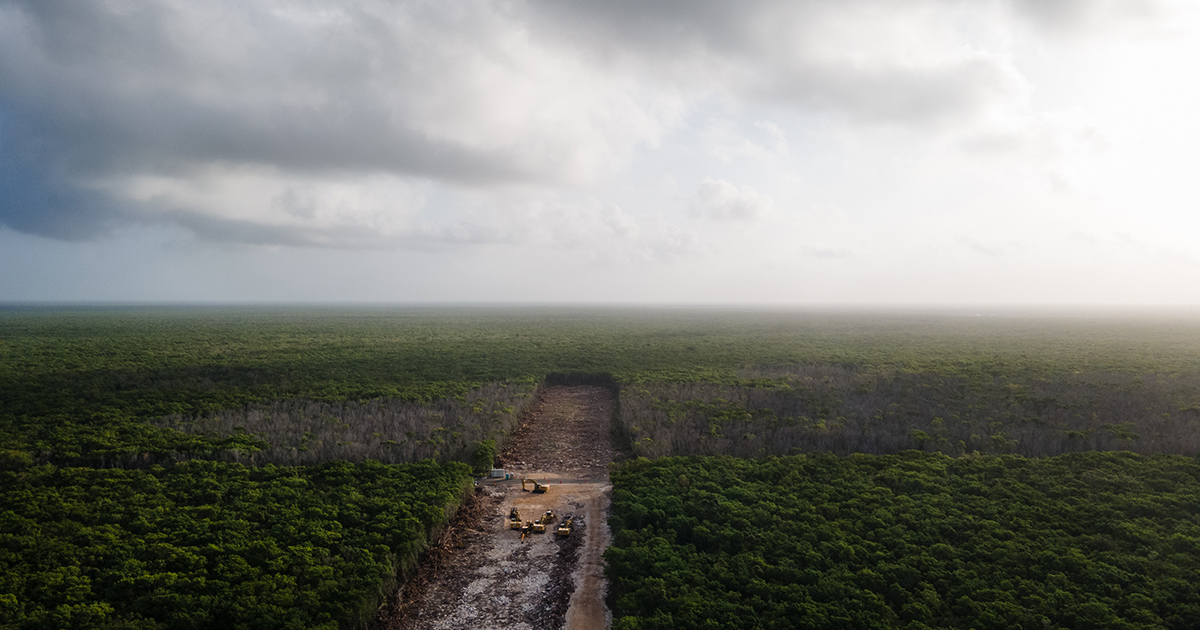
(537, 487)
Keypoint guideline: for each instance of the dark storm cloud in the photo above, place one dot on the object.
(95, 95)
(93, 90)
(34, 198)
(762, 50)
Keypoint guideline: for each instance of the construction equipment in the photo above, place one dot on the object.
(540, 524)
(526, 528)
(514, 519)
(565, 528)
(537, 487)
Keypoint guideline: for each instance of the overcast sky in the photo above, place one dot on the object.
(798, 152)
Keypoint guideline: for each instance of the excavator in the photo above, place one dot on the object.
(565, 528)
(537, 487)
(540, 524)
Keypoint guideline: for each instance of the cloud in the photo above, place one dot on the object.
(33, 199)
(595, 230)
(1041, 136)
(912, 63)
(828, 252)
(1082, 17)
(1176, 255)
(777, 135)
(602, 232)
(403, 87)
(719, 200)
(724, 140)
(980, 247)
(1081, 237)
(310, 123)
(266, 204)
(96, 98)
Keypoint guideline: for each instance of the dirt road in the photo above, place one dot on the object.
(485, 575)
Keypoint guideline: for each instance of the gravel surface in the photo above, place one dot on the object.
(496, 579)
(482, 574)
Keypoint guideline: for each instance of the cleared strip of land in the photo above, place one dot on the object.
(483, 574)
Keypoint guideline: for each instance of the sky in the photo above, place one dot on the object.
(802, 152)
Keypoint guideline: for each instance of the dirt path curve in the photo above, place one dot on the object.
(483, 574)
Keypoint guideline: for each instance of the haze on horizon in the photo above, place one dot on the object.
(935, 152)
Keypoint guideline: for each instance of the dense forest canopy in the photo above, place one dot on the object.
(843, 410)
(915, 540)
(214, 545)
(149, 477)
(85, 381)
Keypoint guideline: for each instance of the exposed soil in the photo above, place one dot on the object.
(588, 608)
(567, 432)
(482, 574)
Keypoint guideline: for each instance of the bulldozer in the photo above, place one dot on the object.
(565, 528)
(537, 487)
(514, 519)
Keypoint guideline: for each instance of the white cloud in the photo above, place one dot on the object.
(778, 137)
(1091, 17)
(103, 102)
(578, 226)
(723, 139)
(670, 141)
(980, 247)
(827, 251)
(464, 95)
(720, 200)
(1041, 136)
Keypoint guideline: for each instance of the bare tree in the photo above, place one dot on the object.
(843, 409)
(383, 429)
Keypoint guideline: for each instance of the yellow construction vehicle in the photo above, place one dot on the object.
(514, 519)
(540, 524)
(537, 487)
(565, 528)
(526, 528)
